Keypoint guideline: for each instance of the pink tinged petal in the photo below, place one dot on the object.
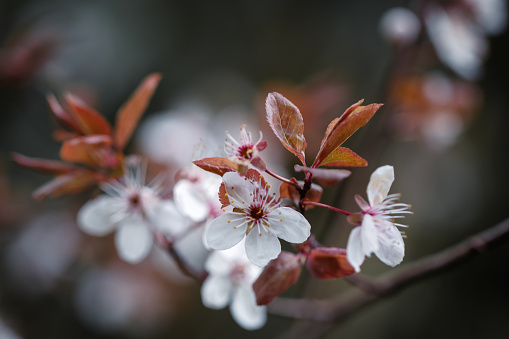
(94, 217)
(189, 201)
(259, 163)
(379, 184)
(245, 311)
(369, 235)
(362, 203)
(392, 247)
(221, 233)
(133, 240)
(216, 292)
(354, 252)
(261, 249)
(289, 225)
(238, 188)
(167, 218)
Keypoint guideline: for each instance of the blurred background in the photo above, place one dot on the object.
(440, 67)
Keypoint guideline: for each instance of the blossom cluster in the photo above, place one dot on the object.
(223, 223)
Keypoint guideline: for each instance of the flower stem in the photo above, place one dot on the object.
(278, 177)
(312, 203)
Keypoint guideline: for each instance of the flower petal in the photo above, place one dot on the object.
(379, 184)
(238, 188)
(133, 240)
(245, 311)
(167, 218)
(289, 225)
(221, 233)
(262, 247)
(354, 252)
(190, 200)
(216, 291)
(369, 235)
(94, 217)
(392, 247)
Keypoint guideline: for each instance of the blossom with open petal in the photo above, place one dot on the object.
(258, 217)
(246, 152)
(135, 211)
(377, 232)
(230, 280)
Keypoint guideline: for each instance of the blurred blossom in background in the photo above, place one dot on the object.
(440, 68)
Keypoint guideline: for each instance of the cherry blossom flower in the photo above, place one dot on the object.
(230, 280)
(258, 217)
(245, 152)
(135, 211)
(377, 232)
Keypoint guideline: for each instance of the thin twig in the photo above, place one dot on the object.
(339, 308)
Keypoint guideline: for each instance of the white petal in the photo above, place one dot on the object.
(379, 184)
(289, 225)
(238, 188)
(94, 217)
(133, 240)
(216, 291)
(369, 235)
(245, 311)
(221, 235)
(190, 246)
(167, 218)
(190, 200)
(354, 252)
(261, 249)
(392, 247)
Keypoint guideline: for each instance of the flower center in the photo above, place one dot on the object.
(134, 200)
(257, 213)
(238, 273)
(246, 151)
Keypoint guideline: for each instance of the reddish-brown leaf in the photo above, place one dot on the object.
(354, 118)
(92, 150)
(130, 113)
(325, 177)
(63, 118)
(286, 121)
(290, 192)
(43, 165)
(329, 263)
(223, 196)
(277, 277)
(66, 184)
(216, 165)
(89, 120)
(344, 157)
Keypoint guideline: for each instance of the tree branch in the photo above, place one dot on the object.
(371, 290)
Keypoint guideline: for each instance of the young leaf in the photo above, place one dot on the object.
(63, 118)
(287, 123)
(329, 263)
(277, 277)
(66, 184)
(290, 192)
(89, 120)
(325, 177)
(216, 165)
(354, 118)
(130, 113)
(223, 196)
(90, 150)
(43, 165)
(343, 157)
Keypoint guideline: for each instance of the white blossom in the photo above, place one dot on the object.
(258, 217)
(134, 211)
(246, 152)
(377, 232)
(230, 280)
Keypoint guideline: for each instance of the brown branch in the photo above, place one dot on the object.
(184, 268)
(372, 290)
